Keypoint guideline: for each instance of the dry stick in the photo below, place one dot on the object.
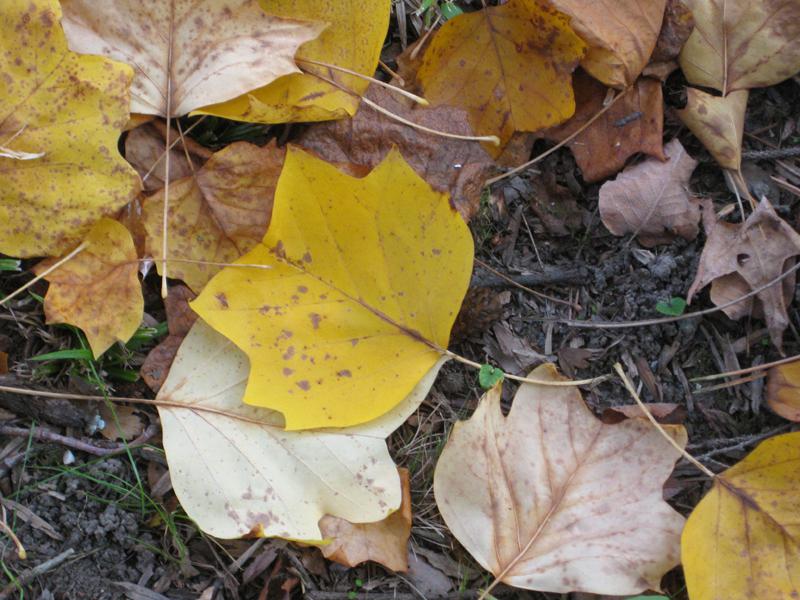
(657, 425)
(33, 573)
(566, 140)
(394, 74)
(75, 444)
(525, 288)
(768, 365)
(46, 272)
(209, 262)
(388, 86)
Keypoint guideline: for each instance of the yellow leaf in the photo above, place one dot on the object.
(217, 214)
(72, 109)
(187, 53)
(552, 499)
(352, 40)
(384, 542)
(509, 66)
(621, 35)
(718, 122)
(366, 278)
(742, 44)
(783, 390)
(742, 541)
(98, 290)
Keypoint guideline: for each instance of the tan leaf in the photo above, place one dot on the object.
(742, 44)
(192, 52)
(718, 122)
(218, 214)
(621, 35)
(752, 254)
(783, 390)
(651, 200)
(551, 499)
(130, 423)
(384, 542)
(634, 124)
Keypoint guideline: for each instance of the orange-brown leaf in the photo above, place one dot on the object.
(783, 390)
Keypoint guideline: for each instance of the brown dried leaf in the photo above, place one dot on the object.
(384, 542)
(664, 412)
(651, 200)
(675, 30)
(718, 122)
(783, 390)
(130, 423)
(747, 256)
(634, 124)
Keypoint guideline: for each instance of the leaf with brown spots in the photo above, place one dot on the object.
(71, 109)
(98, 290)
(742, 541)
(384, 542)
(364, 282)
(236, 477)
(783, 390)
(187, 53)
(217, 214)
(508, 66)
(552, 499)
(718, 122)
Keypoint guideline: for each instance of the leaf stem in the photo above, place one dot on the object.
(46, 272)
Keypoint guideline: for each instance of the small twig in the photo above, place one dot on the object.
(6, 528)
(76, 444)
(46, 272)
(209, 262)
(751, 439)
(747, 370)
(35, 572)
(526, 279)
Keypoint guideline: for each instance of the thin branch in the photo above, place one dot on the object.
(768, 365)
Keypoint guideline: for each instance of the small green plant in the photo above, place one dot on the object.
(10, 264)
(675, 307)
(489, 376)
(430, 8)
(353, 593)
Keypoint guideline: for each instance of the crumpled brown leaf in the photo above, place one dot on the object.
(675, 30)
(456, 166)
(651, 200)
(739, 258)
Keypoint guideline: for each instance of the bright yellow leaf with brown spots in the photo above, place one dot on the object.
(509, 66)
(352, 40)
(742, 542)
(70, 110)
(98, 290)
(366, 278)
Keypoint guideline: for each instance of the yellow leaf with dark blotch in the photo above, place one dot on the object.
(69, 108)
(508, 66)
(98, 290)
(216, 215)
(352, 40)
(718, 122)
(192, 52)
(783, 390)
(550, 498)
(742, 541)
(621, 35)
(365, 283)
(383, 542)
(742, 44)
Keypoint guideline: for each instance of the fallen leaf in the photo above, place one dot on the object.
(621, 35)
(384, 542)
(718, 122)
(741, 540)
(426, 578)
(741, 257)
(352, 40)
(675, 30)
(551, 499)
(783, 390)
(216, 215)
(664, 412)
(508, 66)
(71, 108)
(742, 44)
(180, 318)
(189, 53)
(130, 423)
(98, 290)
(458, 167)
(236, 477)
(634, 124)
(365, 280)
(651, 200)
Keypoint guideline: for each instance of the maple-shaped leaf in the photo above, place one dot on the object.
(215, 215)
(68, 110)
(621, 35)
(740, 257)
(783, 390)
(602, 149)
(549, 498)
(508, 66)
(384, 542)
(742, 44)
(187, 53)
(366, 277)
(98, 290)
(651, 199)
(742, 541)
(238, 472)
(352, 40)
(718, 122)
